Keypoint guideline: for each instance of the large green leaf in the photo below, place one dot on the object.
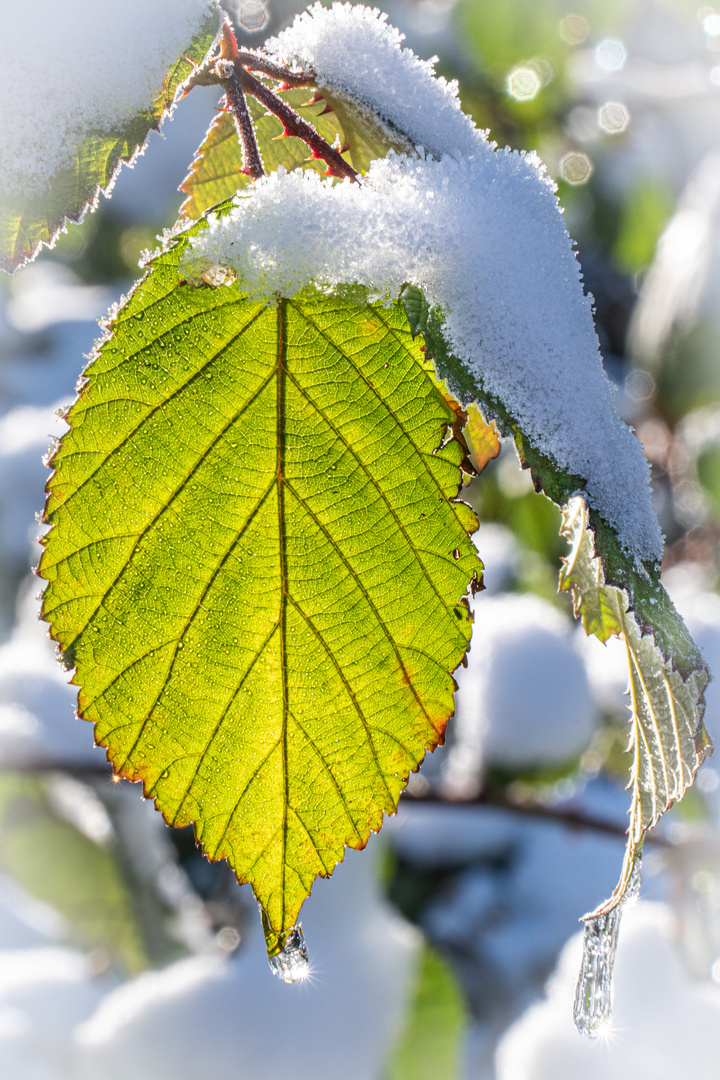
(28, 222)
(614, 596)
(215, 173)
(258, 566)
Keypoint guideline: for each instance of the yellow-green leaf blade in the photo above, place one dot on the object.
(256, 564)
(215, 173)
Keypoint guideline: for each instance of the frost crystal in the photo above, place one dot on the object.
(352, 49)
(483, 237)
(101, 64)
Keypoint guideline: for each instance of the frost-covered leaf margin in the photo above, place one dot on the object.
(28, 223)
(667, 738)
(615, 595)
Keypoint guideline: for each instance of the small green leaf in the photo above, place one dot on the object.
(258, 565)
(29, 222)
(59, 865)
(430, 1045)
(582, 573)
(667, 739)
(214, 174)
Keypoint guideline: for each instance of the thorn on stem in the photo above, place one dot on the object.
(285, 134)
(228, 44)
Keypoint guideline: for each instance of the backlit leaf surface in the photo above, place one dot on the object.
(256, 564)
(214, 175)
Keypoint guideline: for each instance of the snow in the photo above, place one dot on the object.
(228, 1018)
(245, 1023)
(351, 48)
(519, 641)
(37, 704)
(664, 1023)
(108, 63)
(483, 237)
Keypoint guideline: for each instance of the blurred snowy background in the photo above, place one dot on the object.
(450, 948)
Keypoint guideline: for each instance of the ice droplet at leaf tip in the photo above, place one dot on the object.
(593, 994)
(291, 962)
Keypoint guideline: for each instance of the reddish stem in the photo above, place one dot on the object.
(295, 125)
(290, 79)
(231, 72)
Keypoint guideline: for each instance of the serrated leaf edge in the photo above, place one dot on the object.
(679, 776)
(12, 264)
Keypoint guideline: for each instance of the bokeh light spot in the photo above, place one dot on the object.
(613, 117)
(576, 168)
(574, 29)
(610, 55)
(251, 15)
(523, 83)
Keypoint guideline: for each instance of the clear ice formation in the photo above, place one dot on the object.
(291, 963)
(593, 994)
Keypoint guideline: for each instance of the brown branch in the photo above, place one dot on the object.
(290, 79)
(236, 105)
(571, 818)
(230, 71)
(567, 816)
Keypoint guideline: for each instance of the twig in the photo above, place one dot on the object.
(290, 79)
(230, 70)
(573, 819)
(236, 105)
(295, 125)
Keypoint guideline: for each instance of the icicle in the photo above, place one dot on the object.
(287, 952)
(593, 994)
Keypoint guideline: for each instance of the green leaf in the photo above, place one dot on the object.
(667, 739)
(29, 222)
(214, 174)
(430, 1044)
(582, 573)
(614, 596)
(56, 863)
(259, 568)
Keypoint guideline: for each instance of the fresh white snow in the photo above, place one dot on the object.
(483, 237)
(352, 49)
(80, 67)
(665, 1024)
(496, 721)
